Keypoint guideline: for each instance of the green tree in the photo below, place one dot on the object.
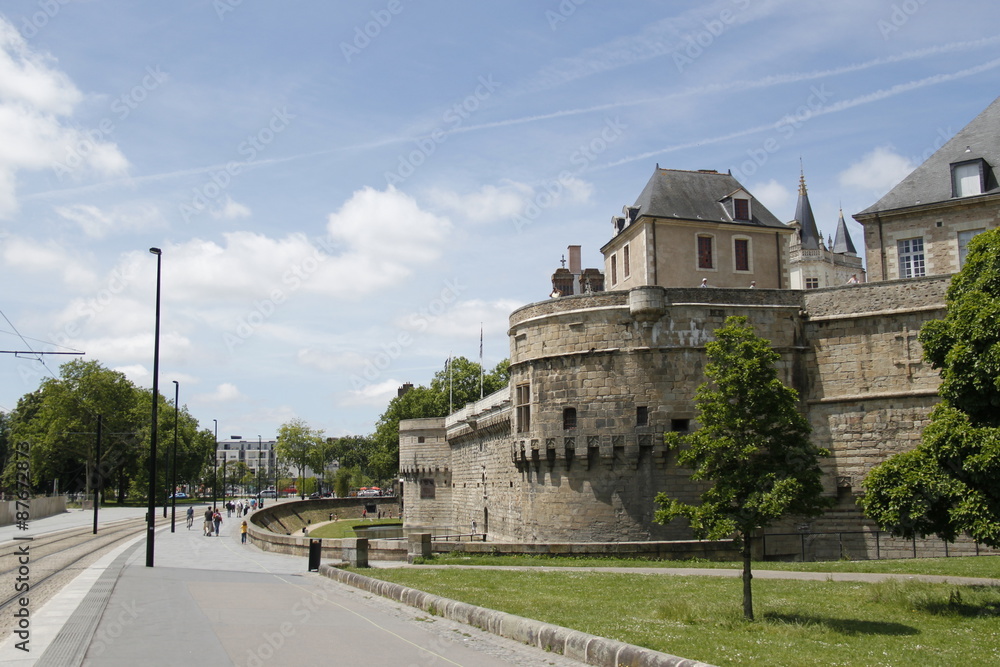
(59, 420)
(950, 483)
(459, 381)
(455, 385)
(296, 444)
(752, 448)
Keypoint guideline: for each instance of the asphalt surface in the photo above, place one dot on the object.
(214, 601)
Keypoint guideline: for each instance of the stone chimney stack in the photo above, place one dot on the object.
(574, 260)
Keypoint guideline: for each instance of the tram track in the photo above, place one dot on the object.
(52, 561)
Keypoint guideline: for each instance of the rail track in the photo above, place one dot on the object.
(53, 560)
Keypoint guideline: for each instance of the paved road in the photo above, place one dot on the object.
(214, 601)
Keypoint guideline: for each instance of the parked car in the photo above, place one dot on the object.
(269, 493)
(179, 495)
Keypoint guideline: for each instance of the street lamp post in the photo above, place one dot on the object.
(173, 478)
(151, 503)
(259, 487)
(215, 462)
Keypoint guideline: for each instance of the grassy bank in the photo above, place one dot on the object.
(345, 527)
(972, 566)
(799, 623)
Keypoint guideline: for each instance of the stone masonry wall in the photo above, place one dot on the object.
(627, 364)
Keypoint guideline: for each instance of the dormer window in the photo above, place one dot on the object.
(741, 209)
(968, 178)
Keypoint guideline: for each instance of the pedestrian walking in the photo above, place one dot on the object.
(243, 532)
(217, 520)
(207, 526)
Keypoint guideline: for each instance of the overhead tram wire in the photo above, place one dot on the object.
(30, 351)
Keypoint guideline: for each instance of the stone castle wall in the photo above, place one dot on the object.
(627, 364)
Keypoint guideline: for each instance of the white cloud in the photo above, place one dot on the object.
(463, 320)
(374, 394)
(224, 393)
(331, 361)
(33, 96)
(384, 232)
(46, 258)
(488, 204)
(878, 171)
(97, 223)
(231, 210)
(775, 196)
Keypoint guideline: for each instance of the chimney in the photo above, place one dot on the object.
(405, 388)
(574, 259)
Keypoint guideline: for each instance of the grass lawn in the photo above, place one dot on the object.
(799, 623)
(971, 566)
(345, 527)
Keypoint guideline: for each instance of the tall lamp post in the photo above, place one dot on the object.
(173, 478)
(151, 504)
(259, 464)
(215, 462)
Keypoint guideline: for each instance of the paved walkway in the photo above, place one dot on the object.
(214, 601)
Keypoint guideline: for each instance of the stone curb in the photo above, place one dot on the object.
(590, 649)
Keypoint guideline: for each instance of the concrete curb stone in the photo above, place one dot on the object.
(586, 648)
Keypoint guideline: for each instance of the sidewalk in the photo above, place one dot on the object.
(214, 601)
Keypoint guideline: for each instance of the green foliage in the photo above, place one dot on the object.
(950, 483)
(753, 444)
(452, 387)
(59, 420)
(297, 444)
(965, 345)
(459, 382)
(752, 448)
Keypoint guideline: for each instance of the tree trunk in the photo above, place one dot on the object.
(747, 577)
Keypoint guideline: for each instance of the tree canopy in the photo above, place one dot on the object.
(456, 385)
(950, 483)
(752, 448)
(297, 444)
(59, 421)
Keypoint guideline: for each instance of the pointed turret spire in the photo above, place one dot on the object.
(808, 233)
(843, 245)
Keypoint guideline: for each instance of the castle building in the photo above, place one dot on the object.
(689, 228)
(922, 227)
(572, 449)
(813, 263)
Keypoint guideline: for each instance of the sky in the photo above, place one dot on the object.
(345, 194)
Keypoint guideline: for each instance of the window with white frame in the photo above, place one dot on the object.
(626, 271)
(741, 209)
(967, 178)
(911, 257)
(963, 244)
(614, 269)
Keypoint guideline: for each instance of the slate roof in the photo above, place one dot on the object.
(843, 244)
(808, 233)
(931, 181)
(697, 195)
